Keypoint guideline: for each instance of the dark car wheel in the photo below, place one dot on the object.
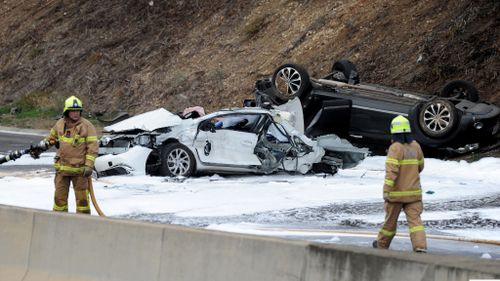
(345, 71)
(437, 118)
(290, 81)
(177, 160)
(460, 89)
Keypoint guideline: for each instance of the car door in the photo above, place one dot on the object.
(331, 116)
(370, 118)
(228, 144)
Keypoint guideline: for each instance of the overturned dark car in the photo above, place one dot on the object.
(448, 123)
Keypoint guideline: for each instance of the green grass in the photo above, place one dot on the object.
(36, 119)
(37, 109)
(35, 52)
(38, 113)
(38, 100)
(4, 110)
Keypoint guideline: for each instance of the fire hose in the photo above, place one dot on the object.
(14, 155)
(92, 197)
(18, 153)
(405, 235)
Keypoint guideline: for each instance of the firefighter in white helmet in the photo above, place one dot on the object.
(402, 190)
(76, 140)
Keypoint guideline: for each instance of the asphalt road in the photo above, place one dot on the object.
(299, 223)
(20, 139)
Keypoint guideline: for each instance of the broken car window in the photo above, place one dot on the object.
(244, 122)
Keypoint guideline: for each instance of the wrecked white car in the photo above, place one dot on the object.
(244, 140)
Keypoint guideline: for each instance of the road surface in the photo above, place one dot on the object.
(312, 224)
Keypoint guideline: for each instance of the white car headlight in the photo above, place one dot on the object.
(143, 140)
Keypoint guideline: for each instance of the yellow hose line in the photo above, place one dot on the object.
(92, 197)
(368, 233)
(431, 236)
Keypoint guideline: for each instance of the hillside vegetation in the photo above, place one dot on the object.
(136, 55)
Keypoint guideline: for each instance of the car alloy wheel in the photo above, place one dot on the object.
(290, 81)
(177, 160)
(437, 118)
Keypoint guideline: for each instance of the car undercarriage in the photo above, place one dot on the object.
(452, 122)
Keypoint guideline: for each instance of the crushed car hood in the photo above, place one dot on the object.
(147, 121)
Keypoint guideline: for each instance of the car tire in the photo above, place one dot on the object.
(345, 71)
(460, 89)
(177, 160)
(437, 118)
(290, 81)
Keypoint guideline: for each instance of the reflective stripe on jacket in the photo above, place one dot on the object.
(402, 173)
(78, 145)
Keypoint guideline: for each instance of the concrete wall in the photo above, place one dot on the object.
(38, 245)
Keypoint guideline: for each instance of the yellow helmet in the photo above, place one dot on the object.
(400, 125)
(72, 103)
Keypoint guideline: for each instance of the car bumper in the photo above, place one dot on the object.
(133, 161)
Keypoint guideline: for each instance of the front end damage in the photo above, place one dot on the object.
(132, 161)
(338, 153)
(280, 146)
(294, 153)
(285, 147)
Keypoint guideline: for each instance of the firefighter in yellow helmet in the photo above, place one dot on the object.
(76, 140)
(402, 190)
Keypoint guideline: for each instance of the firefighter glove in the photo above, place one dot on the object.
(53, 143)
(35, 152)
(87, 171)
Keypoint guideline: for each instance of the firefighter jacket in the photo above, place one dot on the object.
(402, 173)
(78, 145)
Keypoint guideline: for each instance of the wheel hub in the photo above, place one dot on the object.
(437, 117)
(178, 162)
(290, 79)
(460, 93)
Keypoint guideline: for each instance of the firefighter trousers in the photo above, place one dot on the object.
(413, 211)
(80, 186)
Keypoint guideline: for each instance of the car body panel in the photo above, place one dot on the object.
(362, 112)
(370, 115)
(147, 121)
(132, 161)
(348, 154)
(220, 146)
(295, 116)
(249, 140)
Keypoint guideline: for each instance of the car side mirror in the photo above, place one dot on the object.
(208, 127)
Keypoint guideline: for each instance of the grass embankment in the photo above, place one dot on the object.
(36, 110)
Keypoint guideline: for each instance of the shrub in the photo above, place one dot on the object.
(35, 52)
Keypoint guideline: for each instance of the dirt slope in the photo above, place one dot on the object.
(136, 55)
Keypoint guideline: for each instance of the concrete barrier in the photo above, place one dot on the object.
(40, 245)
(16, 227)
